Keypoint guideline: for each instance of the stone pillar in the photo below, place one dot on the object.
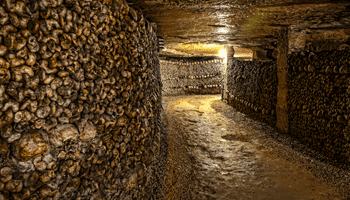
(282, 88)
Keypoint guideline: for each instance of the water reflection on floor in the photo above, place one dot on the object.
(233, 157)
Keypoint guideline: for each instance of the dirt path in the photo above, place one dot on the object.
(232, 157)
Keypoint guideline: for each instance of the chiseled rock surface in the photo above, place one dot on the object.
(247, 24)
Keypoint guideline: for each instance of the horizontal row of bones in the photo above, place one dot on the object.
(193, 63)
(193, 77)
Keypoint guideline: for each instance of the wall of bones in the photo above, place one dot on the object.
(252, 88)
(318, 98)
(182, 77)
(318, 101)
(80, 96)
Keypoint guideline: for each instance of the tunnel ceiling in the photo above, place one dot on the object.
(186, 25)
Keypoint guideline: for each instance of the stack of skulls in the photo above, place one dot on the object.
(202, 77)
(319, 101)
(79, 100)
(252, 88)
(170, 79)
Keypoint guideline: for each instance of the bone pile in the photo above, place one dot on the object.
(185, 77)
(319, 101)
(79, 100)
(252, 88)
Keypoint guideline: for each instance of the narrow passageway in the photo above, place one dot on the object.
(233, 157)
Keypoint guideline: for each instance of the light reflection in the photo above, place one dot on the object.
(223, 30)
(204, 49)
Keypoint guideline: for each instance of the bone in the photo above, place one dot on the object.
(68, 77)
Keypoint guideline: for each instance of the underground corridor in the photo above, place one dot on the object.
(175, 99)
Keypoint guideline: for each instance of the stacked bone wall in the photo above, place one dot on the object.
(79, 101)
(191, 77)
(252, 89)
(319, 101)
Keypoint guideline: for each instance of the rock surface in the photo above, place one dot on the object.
(250, 24)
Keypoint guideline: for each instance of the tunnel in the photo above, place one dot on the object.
(174, 99)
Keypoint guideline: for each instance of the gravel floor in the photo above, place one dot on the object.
(234, 157)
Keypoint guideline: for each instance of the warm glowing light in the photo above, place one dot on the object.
(223, 54)
(199, 49)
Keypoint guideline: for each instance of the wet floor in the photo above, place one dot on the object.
(234, 158)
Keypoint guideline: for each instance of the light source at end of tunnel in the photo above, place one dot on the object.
(223, 54)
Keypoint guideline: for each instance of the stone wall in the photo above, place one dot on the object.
(191, 77)
(252, 88)
(318, 102)
(80, 96)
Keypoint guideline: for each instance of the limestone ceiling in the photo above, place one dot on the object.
(240, 23)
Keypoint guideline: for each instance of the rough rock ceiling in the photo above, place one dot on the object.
(240, 23)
